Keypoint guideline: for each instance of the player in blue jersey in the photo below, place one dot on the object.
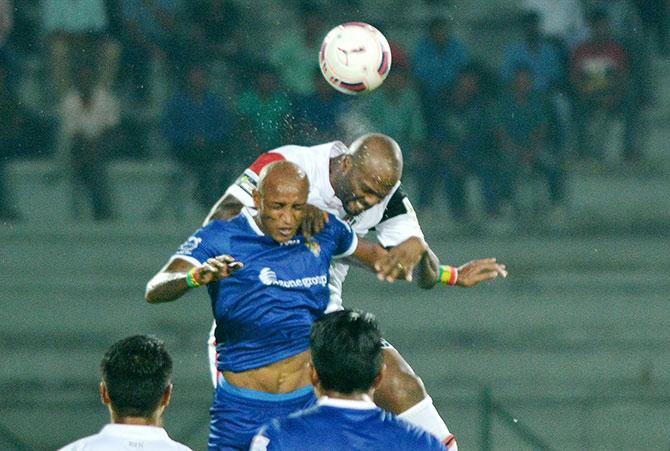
(267, 284)
(347, 365)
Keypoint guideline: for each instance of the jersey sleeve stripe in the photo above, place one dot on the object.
(264, 160)
(450, 440)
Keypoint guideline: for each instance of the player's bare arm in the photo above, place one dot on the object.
(178, 276)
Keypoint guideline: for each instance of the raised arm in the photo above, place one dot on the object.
(179, 275)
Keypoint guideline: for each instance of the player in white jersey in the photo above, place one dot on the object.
(345, 182)
(136, 389)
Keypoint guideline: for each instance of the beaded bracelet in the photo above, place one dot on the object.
(448, 275)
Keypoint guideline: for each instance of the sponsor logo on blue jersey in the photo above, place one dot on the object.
(268, 277)
(190, 244)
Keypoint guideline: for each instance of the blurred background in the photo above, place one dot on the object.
(535, 131)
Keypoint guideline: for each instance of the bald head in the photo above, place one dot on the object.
(282, 175)
(378, 154)
(367, 174)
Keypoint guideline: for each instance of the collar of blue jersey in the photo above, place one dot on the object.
(250, 214)
(363, 404)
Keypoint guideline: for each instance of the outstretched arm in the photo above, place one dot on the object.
(178, 276)
(413, 259)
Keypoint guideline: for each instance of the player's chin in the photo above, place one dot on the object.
(354, 209)
(283, 235)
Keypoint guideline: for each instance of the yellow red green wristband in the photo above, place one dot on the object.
(191, 279)
(448, 275)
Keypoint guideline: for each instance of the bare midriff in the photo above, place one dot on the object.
(283, 376)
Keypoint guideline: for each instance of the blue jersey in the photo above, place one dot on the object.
(264, 311)
(337, 424)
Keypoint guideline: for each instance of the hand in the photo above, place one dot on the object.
(216, 268)
(314, 221)
(477, 271)
(400, 260)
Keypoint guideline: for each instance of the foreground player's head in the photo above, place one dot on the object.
(135, 385)
(347, 356)
(363, 177)
(280, 198)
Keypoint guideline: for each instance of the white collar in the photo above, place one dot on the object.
(135, 430)
(362, 404)
(249, 214)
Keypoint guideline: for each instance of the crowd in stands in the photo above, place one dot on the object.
(576, 68)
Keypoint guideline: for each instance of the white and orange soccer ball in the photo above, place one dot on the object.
(355, 58)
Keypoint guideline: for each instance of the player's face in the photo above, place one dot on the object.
(281, 210)
(363, 190)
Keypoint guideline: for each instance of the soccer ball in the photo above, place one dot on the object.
(355, 58)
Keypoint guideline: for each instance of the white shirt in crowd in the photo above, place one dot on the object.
(103, 113)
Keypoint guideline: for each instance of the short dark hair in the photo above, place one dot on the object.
(136, 372)
(346, 349)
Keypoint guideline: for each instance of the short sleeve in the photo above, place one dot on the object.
(345, 238)
(399, 221)
(200, 246)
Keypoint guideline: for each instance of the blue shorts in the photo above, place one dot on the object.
(237, 413)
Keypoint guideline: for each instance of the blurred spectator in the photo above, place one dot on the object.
(296, 52)
(562, 21)
(78, 28)
(11, 132)
(89, 115)
(626, 27)
(6, 26)
(215, 32)
(536, 53)
(654, 15)
(548, 66)
(463, 146)
(318, 116)
(264, 110)
(198, 125)
(437, 60)
(522, 125)
(600, 72)
(22, 134)
(150, 34)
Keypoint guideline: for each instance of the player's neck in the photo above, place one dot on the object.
(357, 396)
(138, 421)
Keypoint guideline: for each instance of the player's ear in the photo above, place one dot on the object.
(256, 196)
(313, 376)
(167, 395)
(378, 378)
(346, 164)
(104, 395)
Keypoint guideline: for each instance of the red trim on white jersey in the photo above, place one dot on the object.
(265, 159)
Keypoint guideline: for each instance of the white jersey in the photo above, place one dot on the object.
(119, 437)
(393, 219)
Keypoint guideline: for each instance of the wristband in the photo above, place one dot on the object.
(191, 279)
(448, 275)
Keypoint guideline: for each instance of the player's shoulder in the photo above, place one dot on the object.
(80, 444)
(400, 431)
